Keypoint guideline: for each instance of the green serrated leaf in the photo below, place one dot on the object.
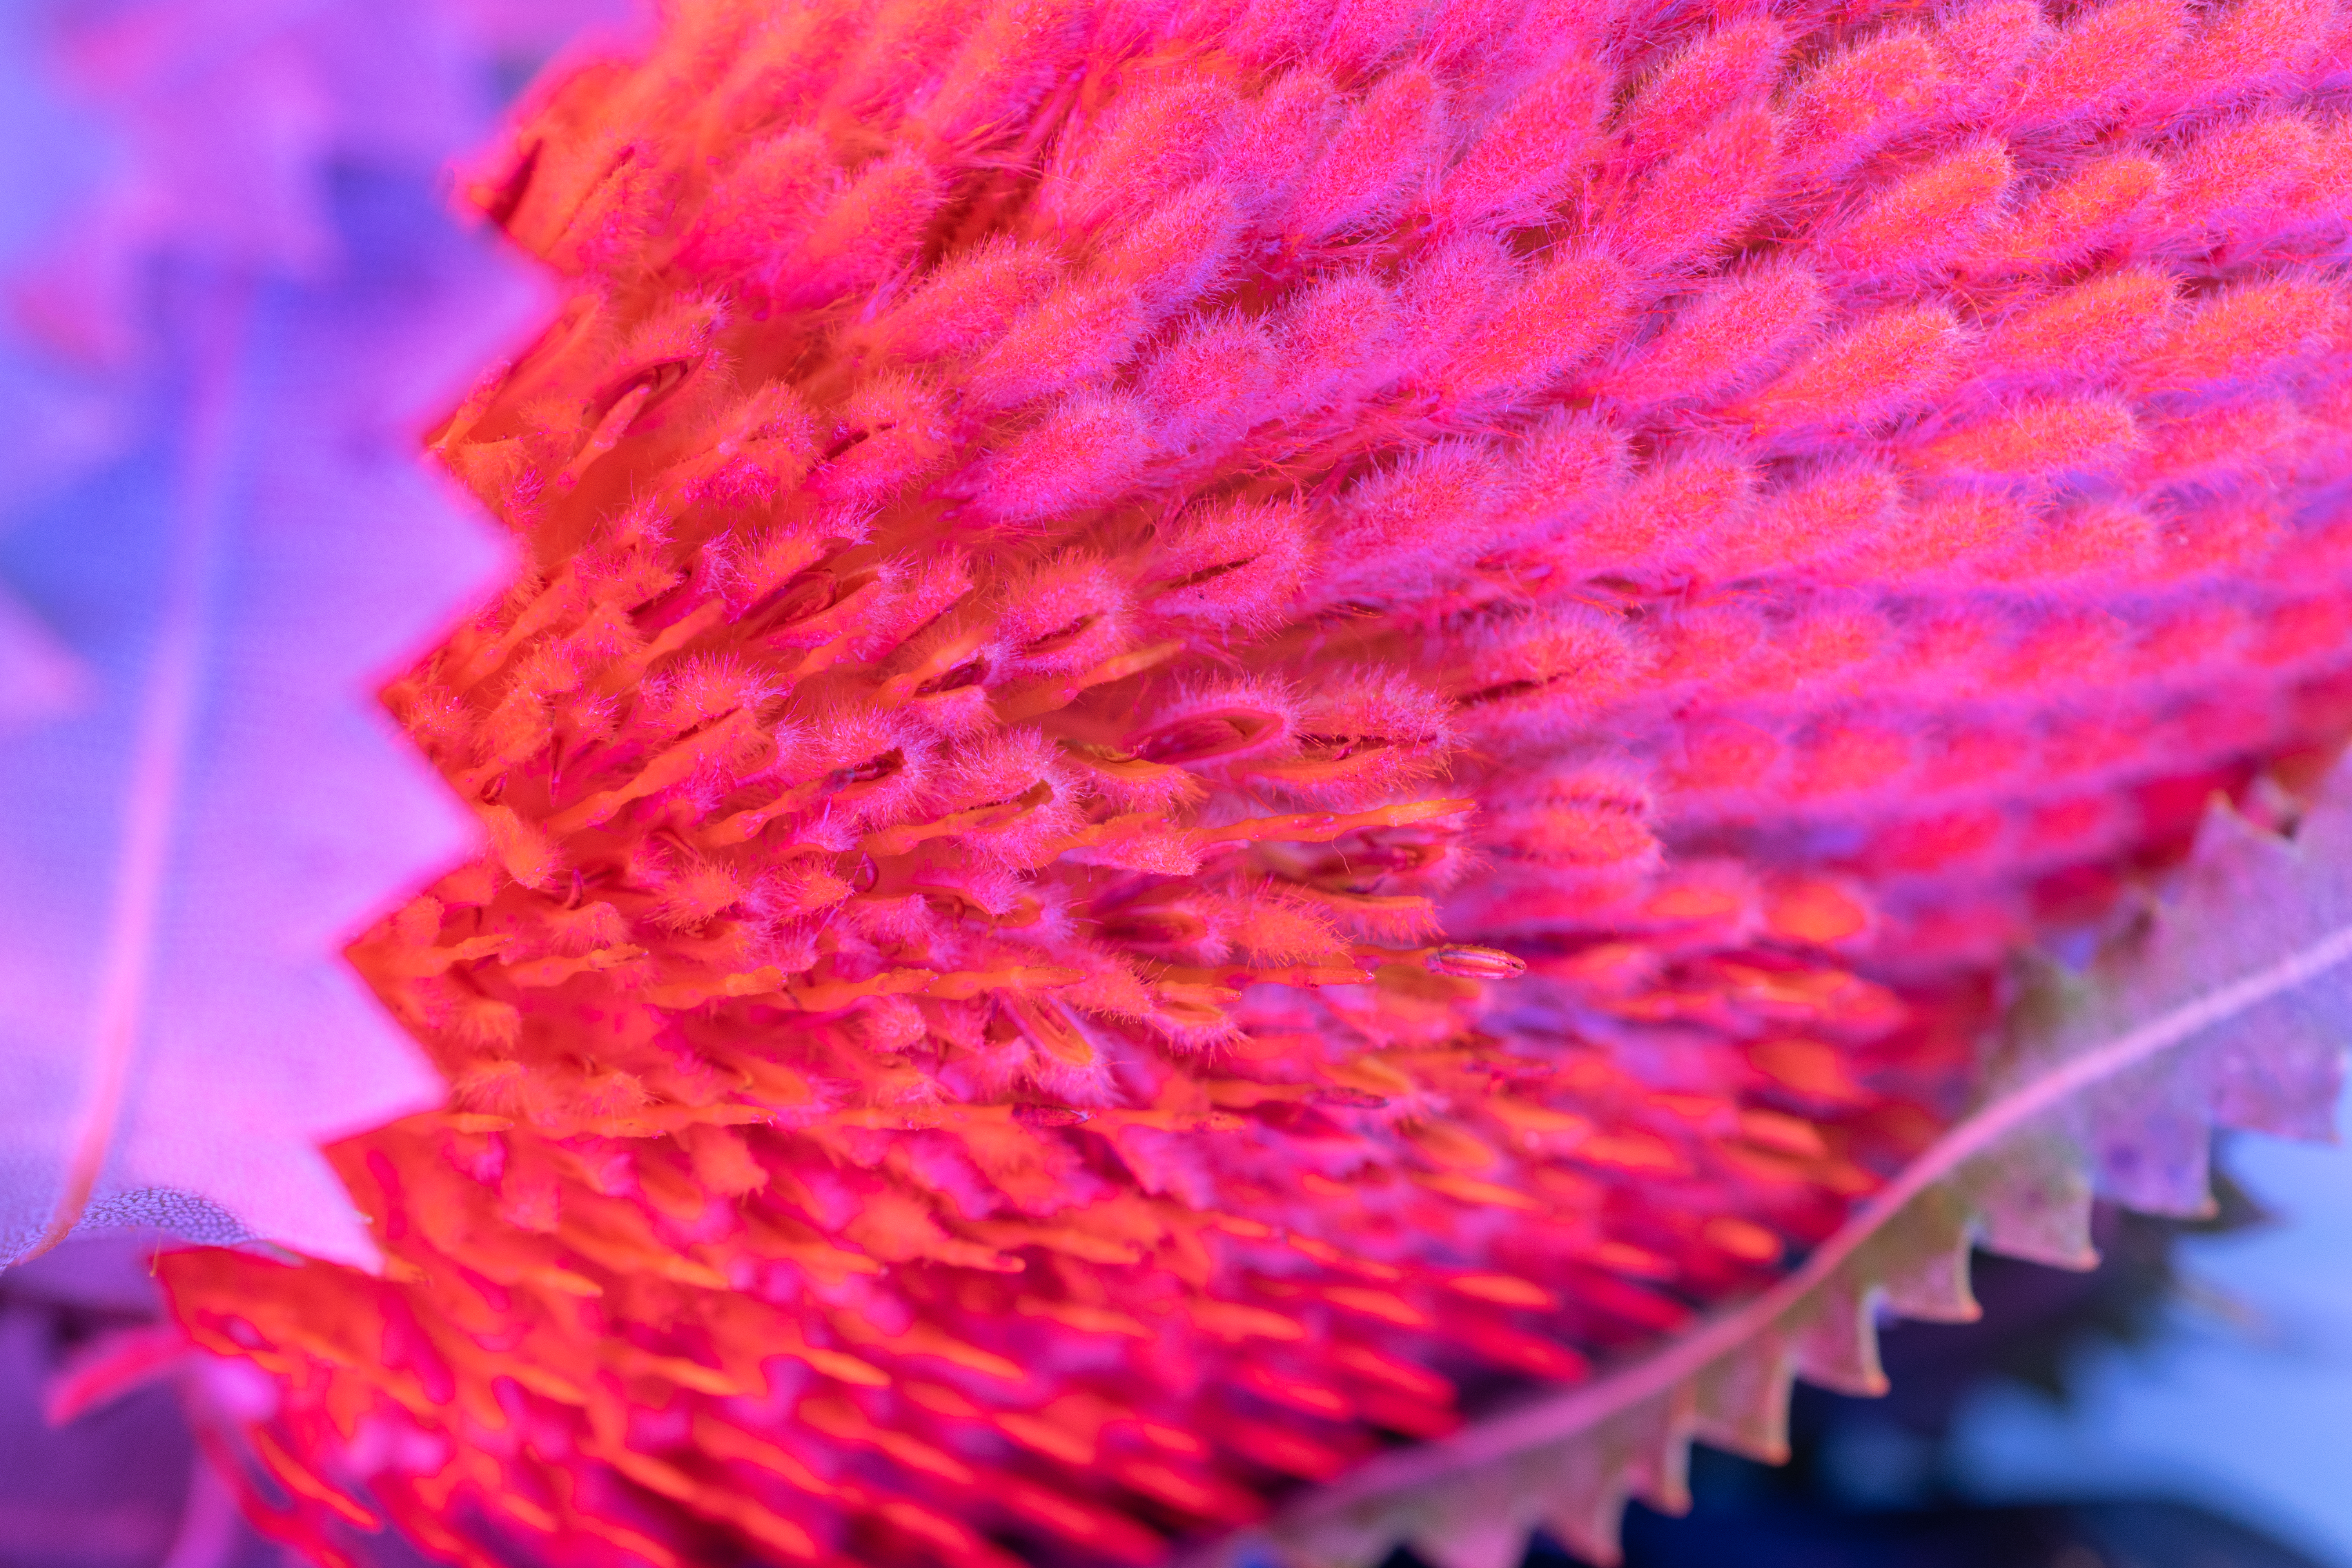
(1837, 1338)
(1743, 1400)
(1922, 1265)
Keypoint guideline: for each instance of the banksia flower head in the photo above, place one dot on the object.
(1228, 723)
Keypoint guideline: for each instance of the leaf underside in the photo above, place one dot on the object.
(199, 800)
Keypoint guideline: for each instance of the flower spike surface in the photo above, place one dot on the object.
(1231, 725)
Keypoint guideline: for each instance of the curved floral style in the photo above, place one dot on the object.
(1230, 726)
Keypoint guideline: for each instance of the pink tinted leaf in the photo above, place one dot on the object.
(761, 209)
(1177, 251)
(1279, 137)
(188, 850)
(1230, 565)
(1013, 58)
(1362, 34)
(1333, 342)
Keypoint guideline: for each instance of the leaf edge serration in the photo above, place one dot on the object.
(2016, 1176)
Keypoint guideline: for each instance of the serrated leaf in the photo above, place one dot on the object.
(2034, 1201)
(1837, 1343)
(2226, 1006)
(1922, 1265)
(2280, 1072)
(1478, 1525)
(189, 835)
(1743, 1401)
(1586, 1493)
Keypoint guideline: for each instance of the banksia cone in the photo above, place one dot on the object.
(1230, 724)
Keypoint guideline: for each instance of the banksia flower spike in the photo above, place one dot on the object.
(1228, 727)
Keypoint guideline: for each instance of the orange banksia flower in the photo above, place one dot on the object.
(1229, 727)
